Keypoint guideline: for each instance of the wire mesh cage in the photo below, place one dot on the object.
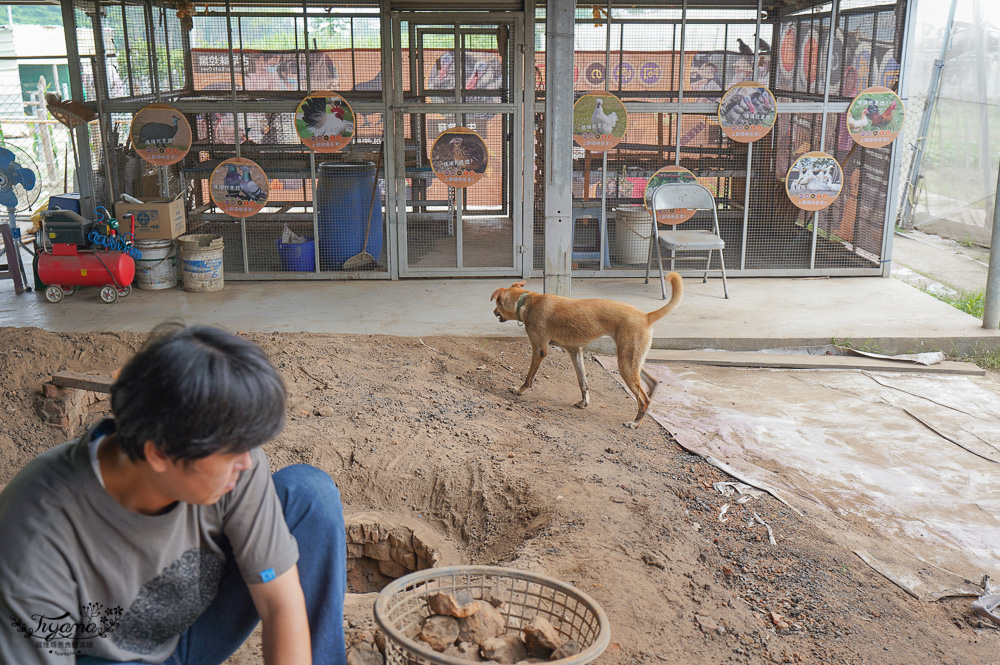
(401, 608)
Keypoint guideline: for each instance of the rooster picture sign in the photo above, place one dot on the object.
(599, 121)
(747, 112)
(324, 122)
(239, 187)
(875, 117)
(161, 134)
(814, 181)
(459, 157)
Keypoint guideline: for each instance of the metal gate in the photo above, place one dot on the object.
(457, 70)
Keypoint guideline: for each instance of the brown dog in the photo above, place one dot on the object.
(572, 324)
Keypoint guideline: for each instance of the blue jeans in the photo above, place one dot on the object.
(315, 517)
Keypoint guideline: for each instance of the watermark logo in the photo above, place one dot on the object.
(64, 636)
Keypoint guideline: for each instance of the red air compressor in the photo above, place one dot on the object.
(66, 263)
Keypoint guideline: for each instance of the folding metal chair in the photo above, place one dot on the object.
(679, 195)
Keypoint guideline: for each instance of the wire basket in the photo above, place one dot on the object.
(402, 606)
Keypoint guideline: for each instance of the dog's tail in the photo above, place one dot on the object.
(677, 292)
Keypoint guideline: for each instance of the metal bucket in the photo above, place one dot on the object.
(201, 260)
(157, 269)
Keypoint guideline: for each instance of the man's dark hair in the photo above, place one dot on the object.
(195, 391)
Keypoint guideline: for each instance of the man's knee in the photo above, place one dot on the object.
(305, 488)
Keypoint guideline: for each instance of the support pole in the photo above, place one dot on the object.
(991, 300)
(559, 27)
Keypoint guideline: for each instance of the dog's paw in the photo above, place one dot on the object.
(583, 403)
(631, 424)
(517, 391)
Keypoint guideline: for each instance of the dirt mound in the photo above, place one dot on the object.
(428, 429)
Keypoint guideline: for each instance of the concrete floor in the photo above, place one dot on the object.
(760, 313)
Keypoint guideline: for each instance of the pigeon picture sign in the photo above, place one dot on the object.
(324, 122)
(161, 134)
(814, 181)
(875, 117)
(747, 112)
(669, 174)
(239, 187)
(599, 121)
(459, 157)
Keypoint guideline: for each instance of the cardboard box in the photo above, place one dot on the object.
(154, 220)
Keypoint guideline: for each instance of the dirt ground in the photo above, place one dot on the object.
(427, 428)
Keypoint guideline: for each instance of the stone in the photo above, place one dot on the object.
(392, 569)
(440, 632)
(482, 625)
(541, 637)
(505, 649)
(494, 599)
(464, 651)
(655, 560)
(708, 625)
(459, 605)
(355, 550)
(378, 551)
(364, 655)
(568, 649)
(402, 537)
(351, 563)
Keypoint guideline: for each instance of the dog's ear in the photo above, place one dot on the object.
(497, 293)
(518, 285)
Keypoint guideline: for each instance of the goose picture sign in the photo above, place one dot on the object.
(875, 117)
(324, 122)
(239, 187)
(161, 134)
(814, 181)
(747, 112)
(459, 157)
(599, 121)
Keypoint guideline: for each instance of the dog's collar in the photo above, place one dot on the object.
(520, 304)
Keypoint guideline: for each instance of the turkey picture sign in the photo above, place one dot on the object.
(324, 122)
(875, 117)
(669, 174)
(459, 157)
(161, 134)
(239, 187)
(599, 121)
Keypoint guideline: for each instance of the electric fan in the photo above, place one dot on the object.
(19, 188)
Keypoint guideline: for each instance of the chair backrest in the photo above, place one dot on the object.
(674, 195)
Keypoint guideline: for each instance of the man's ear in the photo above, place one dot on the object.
(155, 457)
(497, 293)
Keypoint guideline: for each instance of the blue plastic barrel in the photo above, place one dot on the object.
(297, 257)
(343, 196)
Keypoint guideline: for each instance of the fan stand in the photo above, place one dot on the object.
(14, 269)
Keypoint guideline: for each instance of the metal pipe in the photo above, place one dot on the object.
(746, 187)
(602, 239)
(680, 86)
(834, 10)
(991, 299)
(559, 37)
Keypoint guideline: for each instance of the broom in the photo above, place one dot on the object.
(362, 259)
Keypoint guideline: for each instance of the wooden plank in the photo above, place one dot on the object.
(97, 383)
(805, 361)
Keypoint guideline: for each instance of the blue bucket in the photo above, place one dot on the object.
(298, 256)
(343, 197)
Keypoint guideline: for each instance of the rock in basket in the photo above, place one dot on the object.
(402, 607)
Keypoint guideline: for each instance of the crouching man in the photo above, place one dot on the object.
(160, 536)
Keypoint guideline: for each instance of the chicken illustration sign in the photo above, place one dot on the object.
(161, 134)
(875, 117)
(239, 187)
(325, 122)
(814, 181)
(599, 121)
(459, 157)
(747, 112)
(664, 175)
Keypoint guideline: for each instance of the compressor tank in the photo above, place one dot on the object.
(86, 269)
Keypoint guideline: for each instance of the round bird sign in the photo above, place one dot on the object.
(747, 112)
(665, 175)
(814, 181)
(599, 121)
(875, 117)
(459, 157)
(161, 134)
(239, 187)
(325, 122)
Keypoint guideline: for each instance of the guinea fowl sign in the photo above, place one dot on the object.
(875, 117)
(459, 157)
(239, 187)
(747, 112)
(325, 122)
(599, 121)
(161, 134)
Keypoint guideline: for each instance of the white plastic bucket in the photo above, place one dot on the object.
(632, 226)
(201, 261)
(157, 269)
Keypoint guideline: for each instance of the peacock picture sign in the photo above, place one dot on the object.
(161, 134)
(875, 117)
(599, 121)
(239, 187)
(325, 122)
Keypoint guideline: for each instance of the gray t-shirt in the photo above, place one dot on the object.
(81, 574)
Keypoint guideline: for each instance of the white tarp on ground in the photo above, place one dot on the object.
(904, 469)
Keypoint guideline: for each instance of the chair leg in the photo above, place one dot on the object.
(708, 264)
(659, 260)
(722, 263)
(649, 257)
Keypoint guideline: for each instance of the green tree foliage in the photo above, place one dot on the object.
(35, 15)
